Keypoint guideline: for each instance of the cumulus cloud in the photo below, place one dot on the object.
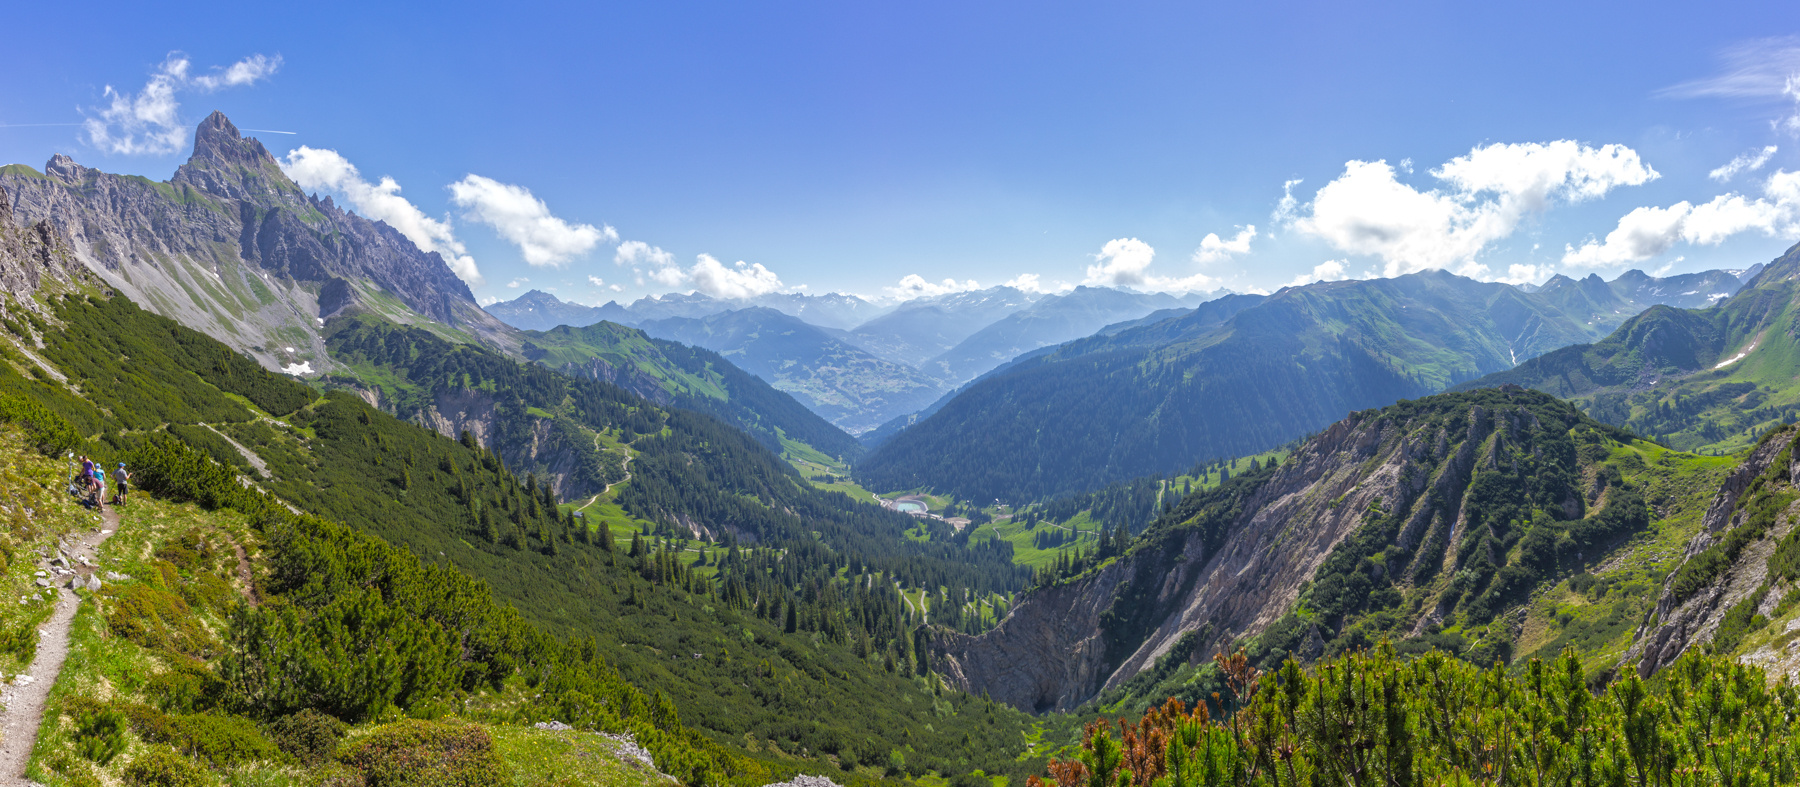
(326, 170)
(708, 275)
(1125, 262)
(1212, 248)
(1522, 274)
(525, 221)
(1030, 282)
(1649, 231)
(637, 252)
(912, 285)
(1745, 162)
(1329, 270)
(1486, 194)
(596, 281)
(488, 301)
(149, 122)
(516, 282)
(615, 288)
(734, 281)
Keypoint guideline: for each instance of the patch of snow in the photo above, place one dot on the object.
(1735, 358)
(320, 319)
(289, 349)
(298, 368)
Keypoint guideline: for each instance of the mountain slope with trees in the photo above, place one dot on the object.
(1711, 378)
(795, 606)
(1156, 398)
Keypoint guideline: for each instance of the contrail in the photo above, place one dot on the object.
(266, 131)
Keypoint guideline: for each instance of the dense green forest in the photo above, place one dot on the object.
(790, 630)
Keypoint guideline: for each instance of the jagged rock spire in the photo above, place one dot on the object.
(229, 164)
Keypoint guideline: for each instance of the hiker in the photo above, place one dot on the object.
(122, 484)
(90, 490)
(99, 487)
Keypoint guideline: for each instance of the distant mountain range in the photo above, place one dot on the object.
(537, 310)
(1711, 378)
(901, 360)
(1154, 398)
(840, 381)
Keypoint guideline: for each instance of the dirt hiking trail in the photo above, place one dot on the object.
(24, 698)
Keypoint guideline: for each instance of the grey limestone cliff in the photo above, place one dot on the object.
(232, 247)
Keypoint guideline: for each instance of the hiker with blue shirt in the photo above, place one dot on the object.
(122, 483)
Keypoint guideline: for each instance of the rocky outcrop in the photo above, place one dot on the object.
(1678, 624)
(1061, 645)
(36, 258)
(631, 378)
(230, 246)
(535, 445)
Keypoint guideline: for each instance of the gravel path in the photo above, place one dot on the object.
(24, 699)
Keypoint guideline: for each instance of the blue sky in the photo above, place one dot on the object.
(849, 146)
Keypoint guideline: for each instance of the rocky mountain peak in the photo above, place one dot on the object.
(65, 169)
(228, 164)
(218, 140)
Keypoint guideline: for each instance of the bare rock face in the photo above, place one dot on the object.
(36, 257)
(1230, 572)
(1679, 624)
(230, 246)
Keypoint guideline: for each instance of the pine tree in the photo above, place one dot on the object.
(793, 618)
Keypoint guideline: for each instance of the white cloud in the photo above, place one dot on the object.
(708, 275)
(1759, 68)
(149, 122)
(912, 285)
(1646, 232)
(1488, 193)
(1745, 162)
(1030, 282)
(615, 288)
(1212, 248)
(596, 281)
(1766, 69)
(325, 170)
(1122, 261)
(488, 301)
(1521, 274)
(243, 72)
(516, 282)
(1288, 208)
(1329, 270)
(737, 281)
(637, 252)
(1125, 262)
(525, 221)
